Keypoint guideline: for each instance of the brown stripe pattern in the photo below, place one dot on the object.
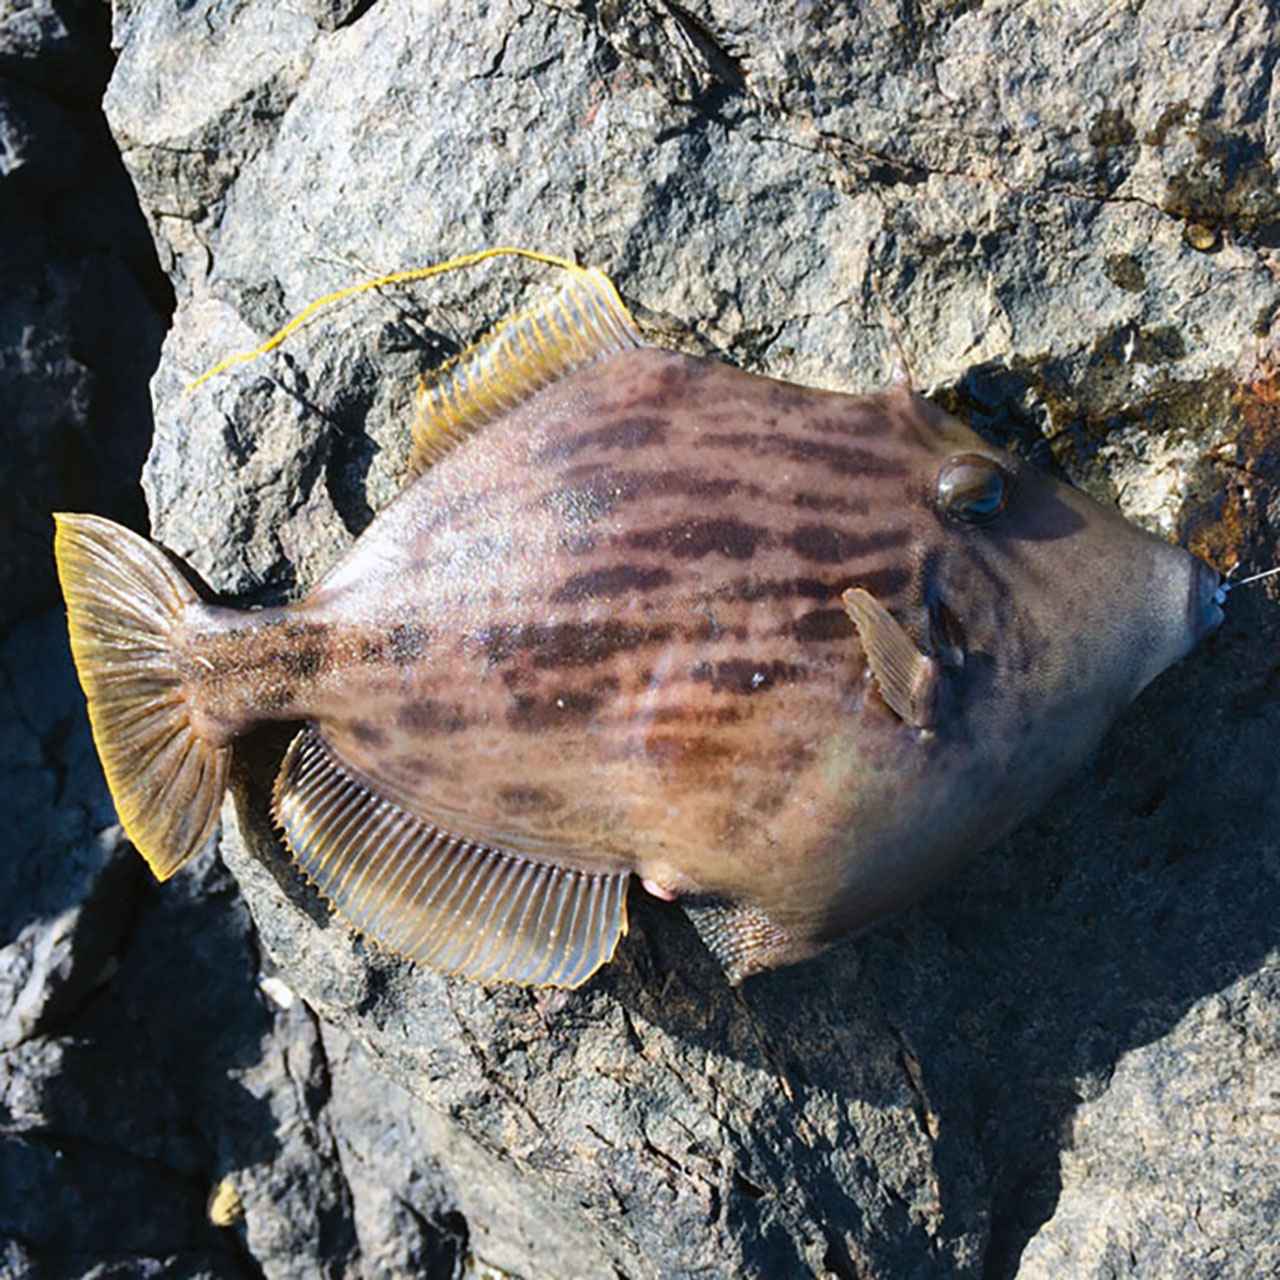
(647, 558)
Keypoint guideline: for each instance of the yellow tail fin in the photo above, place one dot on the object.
(123, 598)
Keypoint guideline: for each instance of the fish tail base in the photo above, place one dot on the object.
(124, 598)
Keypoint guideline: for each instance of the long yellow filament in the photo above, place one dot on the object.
(395, 277)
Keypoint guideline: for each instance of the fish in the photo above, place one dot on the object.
(786, 656)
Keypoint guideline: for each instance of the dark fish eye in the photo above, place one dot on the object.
(972, 488)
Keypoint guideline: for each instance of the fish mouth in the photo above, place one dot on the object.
(1204, 611)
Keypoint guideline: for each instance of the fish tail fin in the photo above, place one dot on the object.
(124, 598)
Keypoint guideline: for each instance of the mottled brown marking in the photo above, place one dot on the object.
(687, 753)
(616, 580)
(683, 483)
(428, 715)
(741, 675)
(367, 734)
(856, 421)
(670, 389)
(410, 770)
(787, 396)
(581, 503)
(778, 589)
(883, 583)
(710, 630)
(530, 799)
(829, 545)
(591, 494)
(823, 624)
(696, 714)
(845, 460)
(693, 539)
(627, 433)
(563, 706)
(406, 643)
(568, 644)
(303, 662)
(275, 698)
(842, 503)
(292, 629)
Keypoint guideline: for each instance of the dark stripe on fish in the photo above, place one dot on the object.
(883, 583)
(692, 539)
(366, 734)
(564, 706)
(601, 584)
(861, 421)
(829, 545)
(832, 502)
(595, 494)
(530, 799)
(845, 460)
(743, 675)
(696, 714)
(823, 624)
(779, 589)
(686, 753)
(426, 715)
(568, 644)
(628, 433)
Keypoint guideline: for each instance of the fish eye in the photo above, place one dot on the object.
(972, 489)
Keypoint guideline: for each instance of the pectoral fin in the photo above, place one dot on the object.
(908, 680)
(487, 913)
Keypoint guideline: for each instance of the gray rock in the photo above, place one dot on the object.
(140, 1063)
(83, 305)
(66, 903)
(31, 167)
(1069, 220)
(56, 45)
(1202, 1105)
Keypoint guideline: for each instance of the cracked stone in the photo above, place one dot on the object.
(1064, 1062)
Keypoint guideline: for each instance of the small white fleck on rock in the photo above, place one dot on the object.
(277, 991)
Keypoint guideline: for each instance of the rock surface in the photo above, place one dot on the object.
(1063, 1063)
(83, 304)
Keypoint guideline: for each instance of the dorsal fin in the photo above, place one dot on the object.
(489, 914)
(583, 322)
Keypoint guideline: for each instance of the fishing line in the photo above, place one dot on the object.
(395, 277)
(1220, 596)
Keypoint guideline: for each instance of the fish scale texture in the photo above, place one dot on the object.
(1064, 1063)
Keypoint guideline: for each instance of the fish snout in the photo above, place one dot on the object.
(1204, 602)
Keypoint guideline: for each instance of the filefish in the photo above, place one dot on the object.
(787, 656)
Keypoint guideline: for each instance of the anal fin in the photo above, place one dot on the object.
(585, 321)
(486, 913)
(908, 680)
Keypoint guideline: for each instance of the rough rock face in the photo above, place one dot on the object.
(82, 302)
(1066, 1062)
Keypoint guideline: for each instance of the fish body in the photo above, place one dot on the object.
(785, 654)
